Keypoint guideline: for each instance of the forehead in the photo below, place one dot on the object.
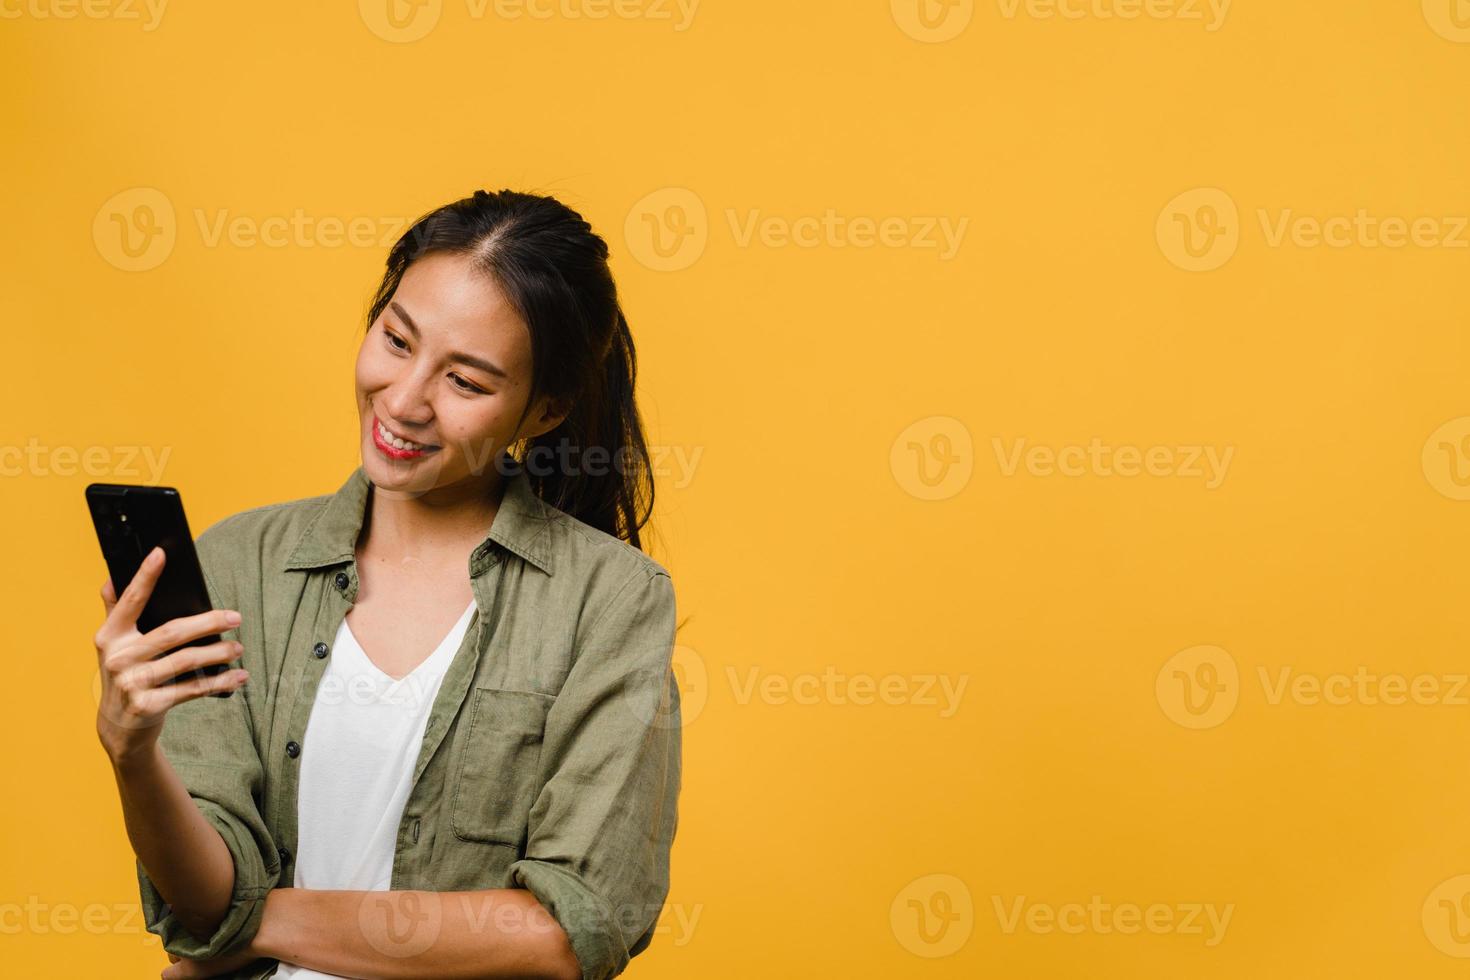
(454, 304)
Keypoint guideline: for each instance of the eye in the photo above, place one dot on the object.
(397, 343)
(467, 385)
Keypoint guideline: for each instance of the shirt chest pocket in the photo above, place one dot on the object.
(497, 776)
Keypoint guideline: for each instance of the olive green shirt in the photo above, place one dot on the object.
(551, 756)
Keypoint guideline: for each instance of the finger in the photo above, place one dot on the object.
(109, 596)
(130, 604)
(176, 694)
(176, 632)
(185, 659)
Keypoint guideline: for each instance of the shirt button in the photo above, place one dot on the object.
(341, 580)
(285, 854)
(320, 650)
(292, 749)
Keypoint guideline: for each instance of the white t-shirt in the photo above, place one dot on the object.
(357, 760)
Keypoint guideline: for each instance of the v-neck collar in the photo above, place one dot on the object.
(449, 642)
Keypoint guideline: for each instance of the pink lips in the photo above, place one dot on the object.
(393, 452)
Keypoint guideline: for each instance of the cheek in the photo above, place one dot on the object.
(470, 421)
(373, 370)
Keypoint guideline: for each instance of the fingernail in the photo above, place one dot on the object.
(233, 618)
(155, 554)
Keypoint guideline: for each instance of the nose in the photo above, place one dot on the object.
(406, 402)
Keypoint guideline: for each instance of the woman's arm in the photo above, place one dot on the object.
(386, 935)
(187, 771)
(181, 851)
(169, 834)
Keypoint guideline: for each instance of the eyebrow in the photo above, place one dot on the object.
(459, 356)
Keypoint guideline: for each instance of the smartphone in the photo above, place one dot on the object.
(131, 521)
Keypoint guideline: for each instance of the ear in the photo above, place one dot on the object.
(552, 414)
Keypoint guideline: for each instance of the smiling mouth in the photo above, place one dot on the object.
(386, 439)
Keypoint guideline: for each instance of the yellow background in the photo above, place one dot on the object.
(821, 388)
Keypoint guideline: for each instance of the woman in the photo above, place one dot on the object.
(458, 750)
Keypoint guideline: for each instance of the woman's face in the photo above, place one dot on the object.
(446, 367)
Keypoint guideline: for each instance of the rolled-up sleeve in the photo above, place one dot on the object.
(600, 830)
(210, 743)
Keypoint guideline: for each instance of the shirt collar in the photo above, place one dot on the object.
(519, 526)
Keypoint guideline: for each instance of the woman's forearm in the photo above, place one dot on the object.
(399, 935)
(184, 856)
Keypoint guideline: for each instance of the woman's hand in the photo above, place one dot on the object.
(134, 696)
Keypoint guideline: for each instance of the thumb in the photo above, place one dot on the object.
(109, 596)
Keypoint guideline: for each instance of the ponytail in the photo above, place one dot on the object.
(595, 465)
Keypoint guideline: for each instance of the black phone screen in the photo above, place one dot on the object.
(130, 522)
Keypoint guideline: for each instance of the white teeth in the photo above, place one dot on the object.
(394, 441)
